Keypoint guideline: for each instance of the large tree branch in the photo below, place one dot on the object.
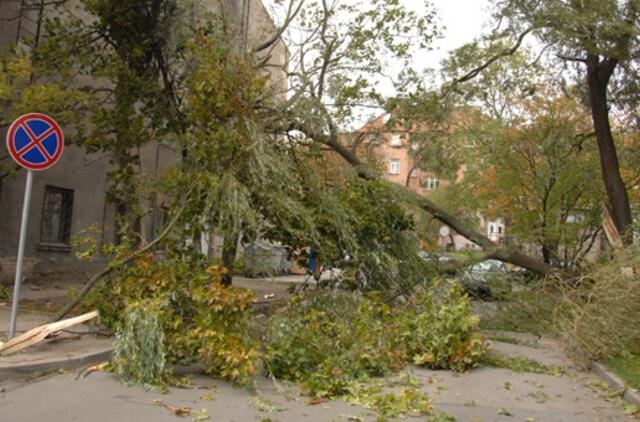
(476, 71)
(493, 251)
(291, 15)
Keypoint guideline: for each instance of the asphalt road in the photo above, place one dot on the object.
(487, 394)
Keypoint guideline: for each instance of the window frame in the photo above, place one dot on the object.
(431, 183)
(393, 162)
(64, 241)
(395, 140)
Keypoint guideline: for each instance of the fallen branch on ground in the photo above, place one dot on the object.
(112, 266)
(38, 334)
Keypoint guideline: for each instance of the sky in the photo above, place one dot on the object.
(463, 21)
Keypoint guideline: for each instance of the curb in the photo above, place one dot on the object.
(17, 371)
(616, 382)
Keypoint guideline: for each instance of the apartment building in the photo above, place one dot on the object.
(71, 197)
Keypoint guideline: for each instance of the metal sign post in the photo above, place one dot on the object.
(34, 141)
(19, 261)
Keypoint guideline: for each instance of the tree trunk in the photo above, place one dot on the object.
(229, 250)
(598, 75)
(546, 253)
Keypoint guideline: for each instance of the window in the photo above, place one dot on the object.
(56, 215)
(156, 224)
(574, 218)
(496, 230)
(431, 183)
(394, 166)
(395, 140)
(414, 173)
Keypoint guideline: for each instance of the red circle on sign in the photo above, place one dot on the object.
(35, 141)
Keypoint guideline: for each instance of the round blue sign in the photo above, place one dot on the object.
(35, 141)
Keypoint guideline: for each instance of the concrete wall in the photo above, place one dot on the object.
(82, 173)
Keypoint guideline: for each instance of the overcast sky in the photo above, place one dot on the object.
(463, 21)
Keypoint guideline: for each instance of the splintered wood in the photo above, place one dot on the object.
(38, 334)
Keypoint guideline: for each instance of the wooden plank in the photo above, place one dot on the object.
(38, 334)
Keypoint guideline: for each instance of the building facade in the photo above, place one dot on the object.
(70, 198)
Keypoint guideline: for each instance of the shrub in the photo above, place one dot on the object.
(139, 354)
(201, 320)
(442, 332)
(327, 341)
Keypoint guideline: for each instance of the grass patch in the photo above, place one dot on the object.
(520, 364)
(626, 367)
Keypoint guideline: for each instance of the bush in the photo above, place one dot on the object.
(139, 354)
(599, 315)
(442, 334)
(329, 341)
(202, 321)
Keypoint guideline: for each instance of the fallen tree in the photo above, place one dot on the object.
(508, 255)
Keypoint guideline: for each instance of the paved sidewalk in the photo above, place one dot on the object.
(485, 394)
(71, 349)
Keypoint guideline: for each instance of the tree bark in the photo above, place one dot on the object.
(598, 75)
(229, 251)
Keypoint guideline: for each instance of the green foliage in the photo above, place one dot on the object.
(139, 354)
(520, 364)
(390, 404)
(529, 311)
(384, 253)
(201, 320)
(4, 292)
(442, 332)
(329, 341)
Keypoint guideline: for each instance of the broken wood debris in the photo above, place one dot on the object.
(38, 334)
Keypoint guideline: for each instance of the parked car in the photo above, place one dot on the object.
(486, 280)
